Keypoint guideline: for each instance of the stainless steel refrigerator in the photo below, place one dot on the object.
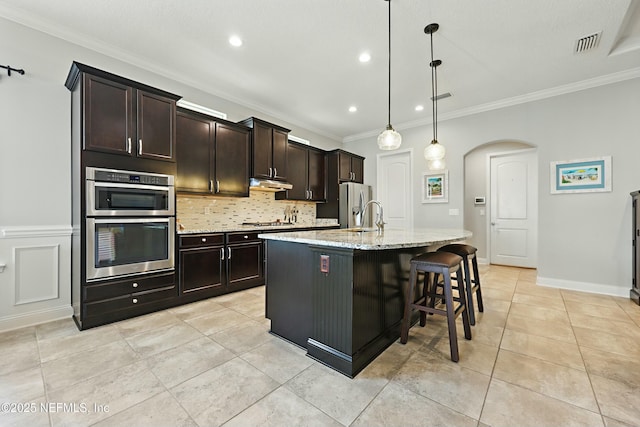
(353, 197)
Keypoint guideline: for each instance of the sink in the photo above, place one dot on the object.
(358, 230)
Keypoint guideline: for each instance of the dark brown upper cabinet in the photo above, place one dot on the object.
(342, 166)
(124, 117)
(306, 170)
(350, 167)
(268, 149)
(212, 155)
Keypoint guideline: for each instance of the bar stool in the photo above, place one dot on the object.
(444, 263)
(468, 252)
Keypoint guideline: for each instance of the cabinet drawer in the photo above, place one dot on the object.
(130, 301)
(243, 237)
(111, 289)
(200, 240)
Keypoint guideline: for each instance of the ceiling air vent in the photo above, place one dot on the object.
(588, 42)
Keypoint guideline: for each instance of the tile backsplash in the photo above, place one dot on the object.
(212, 213)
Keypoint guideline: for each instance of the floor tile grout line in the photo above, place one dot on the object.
(44, 384)
(495, 362)
(593, 391)
(543, 394)
(315, 362)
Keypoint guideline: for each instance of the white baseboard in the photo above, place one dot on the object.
(596, 288)
(35, 317)
(483, 261)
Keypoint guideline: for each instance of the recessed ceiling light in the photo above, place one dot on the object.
(235, 41)
(364, 57)
(353, 109)
(419, 107)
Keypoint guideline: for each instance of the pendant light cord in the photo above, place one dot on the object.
(434, 102)
(389, 64)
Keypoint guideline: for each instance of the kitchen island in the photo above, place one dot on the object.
(340, 293)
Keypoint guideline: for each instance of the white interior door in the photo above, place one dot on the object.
(514, 209)
(394, 188)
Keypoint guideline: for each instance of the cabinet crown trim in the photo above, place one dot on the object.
(76, 68)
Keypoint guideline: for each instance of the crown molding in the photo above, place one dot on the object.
(510, 102)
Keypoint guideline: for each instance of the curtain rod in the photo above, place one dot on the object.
(10, 69)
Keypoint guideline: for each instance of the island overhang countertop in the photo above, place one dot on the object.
(372, 240)
(340, 293)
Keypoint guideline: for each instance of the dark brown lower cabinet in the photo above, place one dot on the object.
(215, 264)
(201, 265)
(118, 299)
(245, 262)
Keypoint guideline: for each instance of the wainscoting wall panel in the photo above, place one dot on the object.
(35, 284)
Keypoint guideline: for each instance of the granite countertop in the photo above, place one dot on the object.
(371, 240)
(241, 228)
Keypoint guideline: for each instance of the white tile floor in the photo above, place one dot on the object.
(539, 357)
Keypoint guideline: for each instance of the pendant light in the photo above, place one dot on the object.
(389, 139)
(434, 152)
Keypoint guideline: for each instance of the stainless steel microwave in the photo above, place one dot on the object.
(111, 192)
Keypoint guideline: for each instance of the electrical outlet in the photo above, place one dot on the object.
(454, 212)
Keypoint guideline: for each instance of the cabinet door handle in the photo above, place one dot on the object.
(217, 186)
(310, 194)
(135, 300)
(228, 253)
(204, 239)
(140, 147)
(275, 172)
(221, 254)
(135, 285)
(129, 145)
(210, 186)
(270, 172)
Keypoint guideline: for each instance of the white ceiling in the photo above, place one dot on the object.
(299, 61)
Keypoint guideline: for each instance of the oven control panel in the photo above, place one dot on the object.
(128, 177)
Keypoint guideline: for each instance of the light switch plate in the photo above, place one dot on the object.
(454, 212)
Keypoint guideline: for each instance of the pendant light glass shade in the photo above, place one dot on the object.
(389, 139)
(434, 151)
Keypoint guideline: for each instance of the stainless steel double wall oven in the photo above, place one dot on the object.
(130, 223)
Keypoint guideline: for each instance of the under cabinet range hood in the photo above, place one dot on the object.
(269, 185)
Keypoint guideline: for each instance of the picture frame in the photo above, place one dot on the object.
(435, 187)
(581, 175)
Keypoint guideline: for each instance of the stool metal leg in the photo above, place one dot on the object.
(406, 319)
(466, 323)
(476, 276)
(451, 318)
(467, 279)
(426, 288)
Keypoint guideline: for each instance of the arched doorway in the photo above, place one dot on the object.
(477, 186)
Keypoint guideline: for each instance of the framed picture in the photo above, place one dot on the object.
(581, 176)
(435, 187)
